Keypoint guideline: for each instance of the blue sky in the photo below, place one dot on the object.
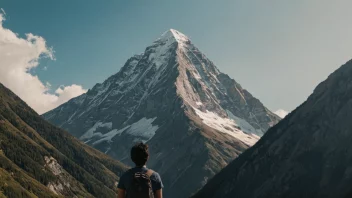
(278, 50)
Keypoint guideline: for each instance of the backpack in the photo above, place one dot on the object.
(141, 186)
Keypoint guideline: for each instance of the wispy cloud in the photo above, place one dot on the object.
(17, 57)
(3, 11)
(281, 113)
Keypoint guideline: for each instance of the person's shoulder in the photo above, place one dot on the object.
(123, 181)
(155, 175)
(127, 173)
(156, 181)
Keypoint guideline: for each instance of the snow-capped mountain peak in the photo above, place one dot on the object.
(174, 35)
(173, 97)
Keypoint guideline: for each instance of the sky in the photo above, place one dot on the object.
(278, 50)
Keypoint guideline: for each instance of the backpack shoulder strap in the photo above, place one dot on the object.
(149, 172)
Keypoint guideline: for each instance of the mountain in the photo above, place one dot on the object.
(307, 154)
(38, 159)
(195, 118)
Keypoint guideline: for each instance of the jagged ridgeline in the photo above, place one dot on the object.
(38, 159)
(195, 118)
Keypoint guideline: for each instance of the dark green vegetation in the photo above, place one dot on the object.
(74, 169)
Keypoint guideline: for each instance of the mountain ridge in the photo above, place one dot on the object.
(307, 154)
(173, 97)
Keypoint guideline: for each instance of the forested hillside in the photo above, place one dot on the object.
(38, 159)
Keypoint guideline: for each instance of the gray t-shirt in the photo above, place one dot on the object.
(127, 177)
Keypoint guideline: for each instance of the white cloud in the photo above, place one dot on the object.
(3, 11)
(17, 57)
(281, 113)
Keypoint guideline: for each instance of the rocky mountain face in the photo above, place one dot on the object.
(38, 159)
(307, 154)
(194, 118)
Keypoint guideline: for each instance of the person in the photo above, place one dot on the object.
(140, 182)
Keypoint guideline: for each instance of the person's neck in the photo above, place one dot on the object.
(141, 166)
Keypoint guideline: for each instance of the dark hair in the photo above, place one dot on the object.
(140, 154)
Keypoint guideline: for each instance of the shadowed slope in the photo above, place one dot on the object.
(307, 154)
(37, 156)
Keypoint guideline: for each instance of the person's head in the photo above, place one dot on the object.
(140, 154)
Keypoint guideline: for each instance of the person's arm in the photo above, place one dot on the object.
(157, 185)
(121, 193)
(121, 188)
(158, 194)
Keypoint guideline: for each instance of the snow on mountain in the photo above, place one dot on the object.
(195, 118)
(231, 125)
